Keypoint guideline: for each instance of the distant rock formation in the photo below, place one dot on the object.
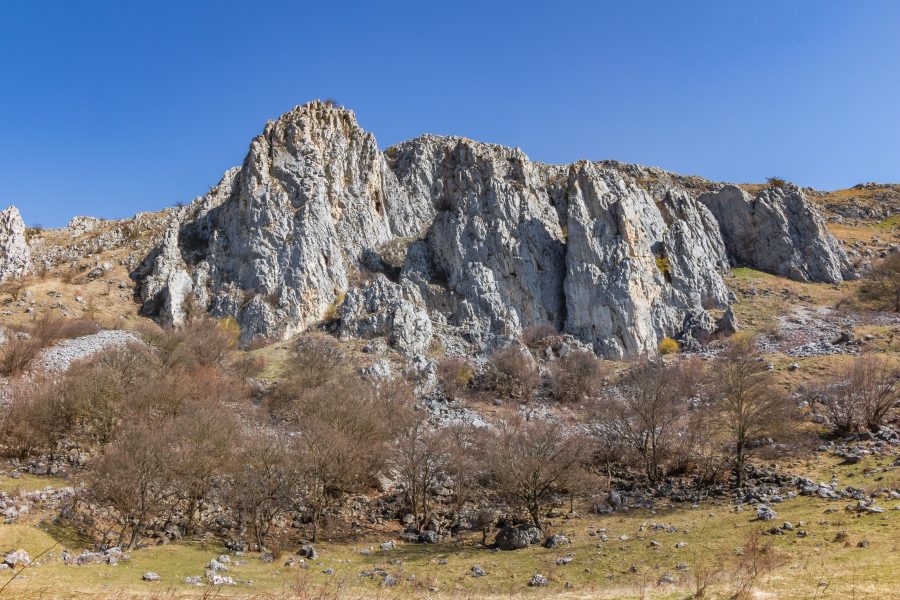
(15, 256)
(451, 237)
(778, 231)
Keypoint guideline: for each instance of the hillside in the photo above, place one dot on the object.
(348, 372)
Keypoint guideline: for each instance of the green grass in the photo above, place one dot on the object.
(599, 569)
(890, 222)
(29, 483)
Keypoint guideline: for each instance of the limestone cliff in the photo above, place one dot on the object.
(469, 239)
(15, 256)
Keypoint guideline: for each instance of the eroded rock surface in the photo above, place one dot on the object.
(778, 231)
(15, 256)
(447, 237)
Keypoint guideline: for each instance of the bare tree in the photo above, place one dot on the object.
(131, 477)
(420, 457)
(647, 410)
(463, 467)
(860, 396)
(343, 431)
(529, 461)
(746, 404)
(261, 484)
(203, 441)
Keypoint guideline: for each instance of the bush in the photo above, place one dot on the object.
(861, 396)
(17, 354)
(884, 284)
(455, 374)
(775, 182)
(668, 346)
(576, 377)
(200, 343)
(511, 373)
(537, 336)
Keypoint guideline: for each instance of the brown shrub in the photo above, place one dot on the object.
(511, 373)
(576, 377)
(17, 354)
(455, 375)
(537, 336)
(199, 343)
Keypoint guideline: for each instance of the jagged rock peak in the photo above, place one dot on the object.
(445, 236)
(15, 255)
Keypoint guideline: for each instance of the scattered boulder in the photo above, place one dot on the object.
(555, 541)
(764, 513)
(17, 558)
(538, 580)
(150, 576)
(517, 537)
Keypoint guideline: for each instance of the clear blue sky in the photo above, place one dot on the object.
(109, 108)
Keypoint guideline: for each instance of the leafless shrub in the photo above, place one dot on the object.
(36, 418)
(202, 445)
(884, 281)
(17, 354)
(455, 374)
(755, 561)
(861, 396)
(537, 336)
(511, 373)
(647, 411)
(576, 377)
(343, 430)
(421, 456)
(201, 342)
(261, 484)
(132, 478)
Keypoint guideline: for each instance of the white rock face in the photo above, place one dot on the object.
(444, 234)
(638, 267)
(777, 231)
(15, 256)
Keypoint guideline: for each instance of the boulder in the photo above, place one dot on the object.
(17, 558)
(517, 537)
(764, 513)
(555, 541)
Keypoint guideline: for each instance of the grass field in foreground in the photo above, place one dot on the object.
(599, 569)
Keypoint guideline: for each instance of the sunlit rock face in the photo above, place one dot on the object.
(444, 236)
(15, 256)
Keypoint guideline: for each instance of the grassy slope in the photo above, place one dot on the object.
(713, 533)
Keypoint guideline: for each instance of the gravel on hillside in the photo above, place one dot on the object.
(57, 358)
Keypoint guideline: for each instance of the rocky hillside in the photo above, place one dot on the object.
(469, 239)
(449, 238)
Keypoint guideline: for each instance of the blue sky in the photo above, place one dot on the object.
(109, 108)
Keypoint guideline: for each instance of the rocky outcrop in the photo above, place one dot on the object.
(778, 231)
(15, 256)
(444, 236)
